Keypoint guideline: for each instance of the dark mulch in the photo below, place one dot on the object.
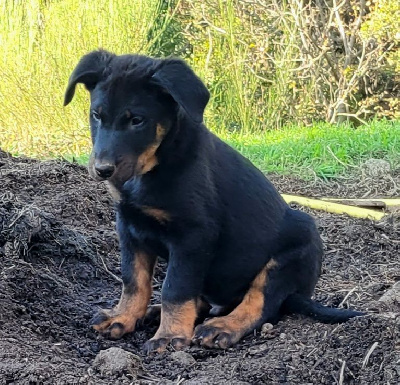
(59, 263)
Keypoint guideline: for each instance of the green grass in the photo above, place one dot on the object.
(324, 150)
(41, 42)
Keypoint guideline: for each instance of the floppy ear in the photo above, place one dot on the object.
(178, 79)
(88, 71)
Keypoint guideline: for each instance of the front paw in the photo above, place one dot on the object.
(160, 343)
(113, 325)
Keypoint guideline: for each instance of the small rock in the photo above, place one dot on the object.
(115, 361)
(266, 329)
(183, 358)
(282, 336)
(376, 167)
(259, 349)
(392, 296)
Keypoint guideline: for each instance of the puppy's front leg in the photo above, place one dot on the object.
(137, 265)
(180, 297)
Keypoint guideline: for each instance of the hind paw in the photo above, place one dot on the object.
(215, 333)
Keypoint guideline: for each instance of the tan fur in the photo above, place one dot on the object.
(148, 160)
(247, 313)
(160, 215)
(177, 320)
(132, 305)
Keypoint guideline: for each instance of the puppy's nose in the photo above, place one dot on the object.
(104, 170)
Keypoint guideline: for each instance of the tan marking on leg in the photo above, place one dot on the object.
(148, 159)
(176, 326)
(249, 310)
(154, 311)
(177, 320)
(133, 303)
(160, 215)
(243, 318)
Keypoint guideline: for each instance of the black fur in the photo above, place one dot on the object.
(221, 220)
(299, 304)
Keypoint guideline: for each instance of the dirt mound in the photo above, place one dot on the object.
(59, 264)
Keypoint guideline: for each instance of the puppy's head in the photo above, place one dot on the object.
(135, 101)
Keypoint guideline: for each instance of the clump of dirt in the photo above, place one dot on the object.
(59, 263)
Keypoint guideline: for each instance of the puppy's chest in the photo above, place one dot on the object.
(145, 210)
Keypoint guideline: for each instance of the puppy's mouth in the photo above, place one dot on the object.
(116, 175)
(126, 168)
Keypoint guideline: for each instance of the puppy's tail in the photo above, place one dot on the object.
(300, 304)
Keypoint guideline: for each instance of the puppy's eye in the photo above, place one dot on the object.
(96, 116)
(136, 121)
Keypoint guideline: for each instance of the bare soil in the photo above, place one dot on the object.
(59, 263)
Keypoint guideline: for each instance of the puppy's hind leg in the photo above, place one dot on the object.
(222, 332)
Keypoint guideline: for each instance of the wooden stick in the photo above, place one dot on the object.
(335, 208)
(374, 202)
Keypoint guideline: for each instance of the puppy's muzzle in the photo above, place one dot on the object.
(104, 170)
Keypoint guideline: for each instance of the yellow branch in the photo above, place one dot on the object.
(387, 202)
(335, 208)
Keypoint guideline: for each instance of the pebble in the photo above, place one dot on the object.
(266, 329)
(114, 361)
(183, 358)
(392, 296)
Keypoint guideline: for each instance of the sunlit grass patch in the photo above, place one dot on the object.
(324, 150)
(41, 42)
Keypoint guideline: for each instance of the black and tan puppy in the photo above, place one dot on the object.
(184, 195)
